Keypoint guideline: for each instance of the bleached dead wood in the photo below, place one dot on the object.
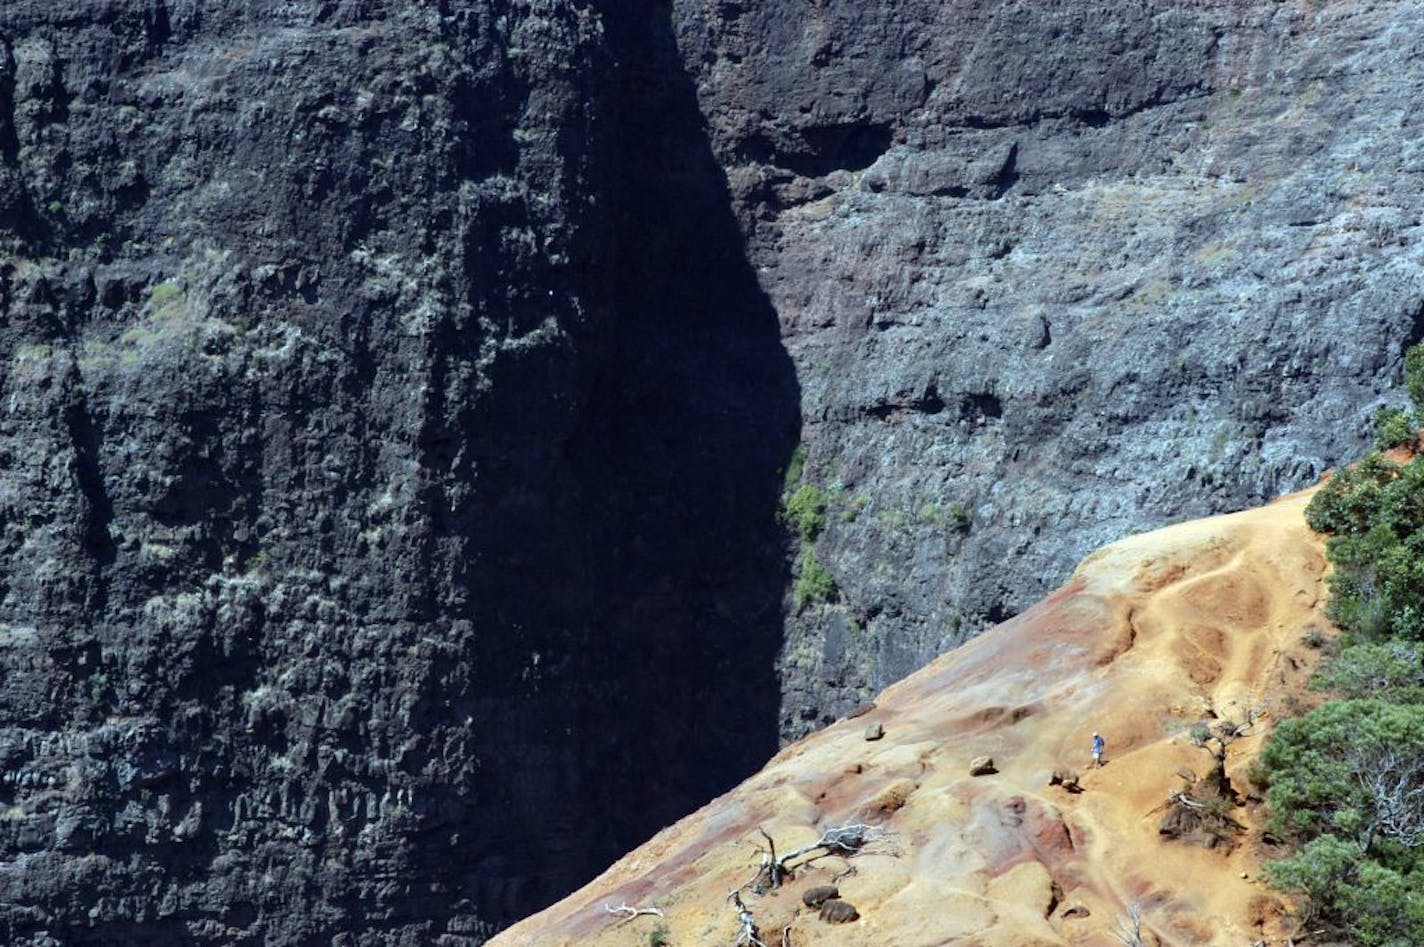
(625, 912)
(844, 840)
(748, 935)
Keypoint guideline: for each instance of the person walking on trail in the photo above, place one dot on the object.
(1098, 745)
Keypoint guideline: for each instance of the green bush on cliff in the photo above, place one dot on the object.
(1375, 513)
(1321, 768)
(795, 467)
(805, 510)
(1392, 670)
(1346, 781)
(1414, 376)
(1377, 906)
(1393, 428)
(815, 582)
(1347, 504)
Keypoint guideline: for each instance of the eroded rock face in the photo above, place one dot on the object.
(395, 401)
(390, 457)
(1051, 273)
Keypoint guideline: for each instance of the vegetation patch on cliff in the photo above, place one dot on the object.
(1346, 781)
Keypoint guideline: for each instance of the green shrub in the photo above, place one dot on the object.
(1392, 671)
(1414, 375)
(795, 467)
(1376, 905)
(853, 508)
(164, 293)
(1346, 781)
(98, 686)
(958, 518)
(893, 520)
(805, 510)
(1338, 780)
(1394, 428)
(1349, 502)
(659, 937)
(815, 582)
(1313, 763)
(1375, 512)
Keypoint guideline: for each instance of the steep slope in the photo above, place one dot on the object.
(1149, 636)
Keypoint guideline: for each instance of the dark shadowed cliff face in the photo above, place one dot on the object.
(391, 446)
(1052, 273)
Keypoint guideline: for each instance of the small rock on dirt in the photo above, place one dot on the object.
(982, 766)
(819, 895)
(836, 911)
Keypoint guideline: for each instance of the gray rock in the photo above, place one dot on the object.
(1052, 274)
(982, 766)
(365, 369)
(819, 895)
(836, 911)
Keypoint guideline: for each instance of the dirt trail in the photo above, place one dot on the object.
(1152, 634)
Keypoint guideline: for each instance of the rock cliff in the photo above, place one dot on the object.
(1053, 273)
(391, 449)
(397, 400)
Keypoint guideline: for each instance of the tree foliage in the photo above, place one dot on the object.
(1394, 428)
(1346, 781)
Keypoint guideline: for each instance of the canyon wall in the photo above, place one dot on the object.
(391, 449)
(1053, 273)
(398, 399)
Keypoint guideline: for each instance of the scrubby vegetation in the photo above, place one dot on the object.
(815, 582)
(1393, 428)
(805, 510)
(804, 507)
(1346, 781)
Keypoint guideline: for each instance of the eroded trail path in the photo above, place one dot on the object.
(1203, 620)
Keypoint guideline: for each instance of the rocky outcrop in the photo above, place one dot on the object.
(1051, 273)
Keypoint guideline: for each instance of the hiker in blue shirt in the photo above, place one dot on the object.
(1098, 745)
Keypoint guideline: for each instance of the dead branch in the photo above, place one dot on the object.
(625, 912)
(836, 840)
(747, 934)
(1222, 733)
(773, 868)
(845, 840)
(1128, 930)
(1182, 799)
(1394, 783)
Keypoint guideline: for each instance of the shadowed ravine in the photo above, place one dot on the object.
(668, 683)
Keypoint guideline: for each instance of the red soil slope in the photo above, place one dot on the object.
(1151, 635)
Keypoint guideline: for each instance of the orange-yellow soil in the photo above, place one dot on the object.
(1149, 636)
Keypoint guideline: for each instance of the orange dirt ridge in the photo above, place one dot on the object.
(1202, 620)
